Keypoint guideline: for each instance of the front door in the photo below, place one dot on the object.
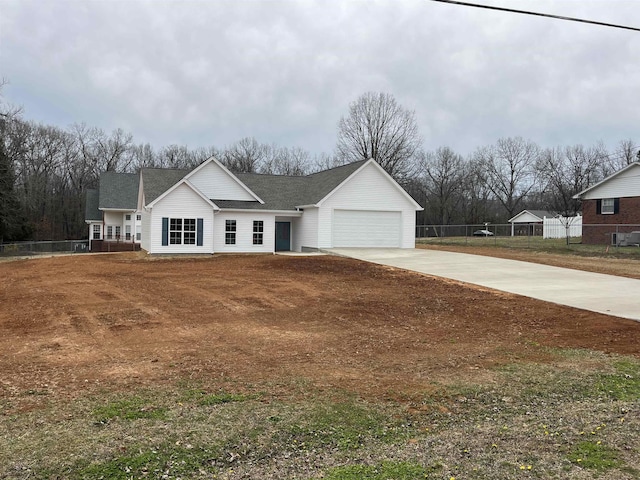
(283, 236)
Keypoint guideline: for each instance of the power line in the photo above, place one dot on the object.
(538, 14)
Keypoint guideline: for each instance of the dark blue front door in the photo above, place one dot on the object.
(283, 236)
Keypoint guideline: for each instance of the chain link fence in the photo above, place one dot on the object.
(40, 248)
(532, 235)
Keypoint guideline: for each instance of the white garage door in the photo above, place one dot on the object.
(362, 228)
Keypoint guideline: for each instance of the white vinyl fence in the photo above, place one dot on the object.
(557, 227)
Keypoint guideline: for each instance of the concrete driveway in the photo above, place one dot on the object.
(608, 294)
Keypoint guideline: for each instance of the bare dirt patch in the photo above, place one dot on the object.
(73, 324)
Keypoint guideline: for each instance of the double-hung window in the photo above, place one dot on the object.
(258, 232)
(175, 231)
(608, 206)
(189, 231)
(230, 232)
(96, 232)
(181, 231)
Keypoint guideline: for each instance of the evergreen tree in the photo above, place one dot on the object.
(12, 223)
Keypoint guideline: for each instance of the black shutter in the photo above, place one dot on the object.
(165, 231)
(598, 206)
(199, 232)
(616, 205)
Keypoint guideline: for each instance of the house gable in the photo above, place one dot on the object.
(531, 216)
(623, 183)
(215, 181)
(366, 186)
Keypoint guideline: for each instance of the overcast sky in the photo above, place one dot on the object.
(206, 73)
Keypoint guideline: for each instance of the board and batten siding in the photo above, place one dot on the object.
(244, 232)
(182, 202)
(304, 230)
(625, 184)
(214, 182)
(366, 191)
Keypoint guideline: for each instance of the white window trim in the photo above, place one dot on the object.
(229, 232)
(611, 209)
(258, 232)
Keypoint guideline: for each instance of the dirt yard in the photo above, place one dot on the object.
(71, 325)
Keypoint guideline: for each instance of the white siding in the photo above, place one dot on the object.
(244, 232)
(526, 217)
(182, 202)
(146, 231)
(625, 184)
(114, 218)
(304, 230)
(370, 190)
(214, 182)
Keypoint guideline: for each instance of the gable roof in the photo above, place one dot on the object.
(283, 192)
(536, 213)
(91, 211)
(228, 172)
(156, 181)
(118, 191)
(607, 179)
(272, 192)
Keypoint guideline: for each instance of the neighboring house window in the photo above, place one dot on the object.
(608, 206)
(117, 232)
(109, 232)
(258, 229)
(96, 232)
(127, 217)
(127, 232)
(175, 231)
(230, 232)
(189, 231)
(138, 217)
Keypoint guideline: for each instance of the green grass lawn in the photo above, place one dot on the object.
(577, 417)
(536, 244)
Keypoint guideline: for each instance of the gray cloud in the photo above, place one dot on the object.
(209, 73)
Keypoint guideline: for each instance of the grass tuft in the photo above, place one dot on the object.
(128, 409)
(594, 455)
(382, 471)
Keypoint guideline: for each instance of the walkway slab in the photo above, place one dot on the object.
(608, 294)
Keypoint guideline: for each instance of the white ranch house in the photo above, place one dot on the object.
(211, 210)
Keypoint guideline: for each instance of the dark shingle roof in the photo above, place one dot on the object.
(91, 211)
(156, 181)
(118, 190)
(542, 213)
(280, 192)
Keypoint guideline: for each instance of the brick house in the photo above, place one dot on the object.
(611, 207)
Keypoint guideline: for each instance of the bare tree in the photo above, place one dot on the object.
(285, 161)
(377, 127)
(565, 172)
(443, 182)
(246, 156)
(509, 170)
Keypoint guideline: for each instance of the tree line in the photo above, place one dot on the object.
(46, 170)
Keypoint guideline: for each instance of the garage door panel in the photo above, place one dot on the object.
(363, 228)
